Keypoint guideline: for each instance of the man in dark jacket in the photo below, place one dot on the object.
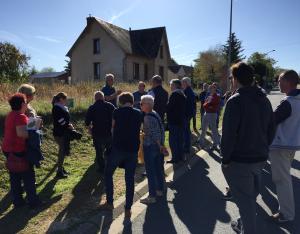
(99, 121)
(176, 118)
(190, 111)
(160, 96)
(248, 130)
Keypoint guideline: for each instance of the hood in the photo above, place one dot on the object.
(253, 92)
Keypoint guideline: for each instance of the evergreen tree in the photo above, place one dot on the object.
(236, 49)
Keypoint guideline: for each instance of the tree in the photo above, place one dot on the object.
(33, 70)
(210, 66)
(263, 67)
(236, 49)
(68, 66)
(48, 69)
(13, 63)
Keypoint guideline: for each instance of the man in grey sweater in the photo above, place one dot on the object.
(248, 130)
(285, 144)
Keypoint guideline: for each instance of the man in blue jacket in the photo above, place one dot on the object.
(190, 110)
(285, 145)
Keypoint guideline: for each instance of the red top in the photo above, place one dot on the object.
(11, 142)
(212, 103)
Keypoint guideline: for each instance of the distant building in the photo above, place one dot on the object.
(130, 55)
(180, 71)
(49, 77)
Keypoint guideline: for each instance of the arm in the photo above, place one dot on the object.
(231, 123)
(282, 112)
(271, 126)
(22, 131)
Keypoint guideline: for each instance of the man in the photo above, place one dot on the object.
(285, 144)
(248, 130)
(138, 94)
(160, 96)
(190, 111)
(176, 119)
(202, 98)
(126, 139)
(210, 106)
(110, 93)
(99, 121)
(29, 92)
(221, 104)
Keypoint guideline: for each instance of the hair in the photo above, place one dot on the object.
(59, 96)
(109, 75)
(243, 73)
(148, 99)
(187, 80)
(142, 83)
(26, 89)
(176, 82)
(99, 95)
(125, 97)
(157, 79)
(291, 77)
(16, 100)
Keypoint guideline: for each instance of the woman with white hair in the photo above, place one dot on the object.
(153, 147)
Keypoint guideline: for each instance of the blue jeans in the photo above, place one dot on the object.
(28, 179)
(187, 135)
(152, 157)
(128, 161)
(176, 141)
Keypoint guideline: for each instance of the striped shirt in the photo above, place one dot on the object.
(153, 129)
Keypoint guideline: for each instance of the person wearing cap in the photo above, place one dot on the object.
(29, 91)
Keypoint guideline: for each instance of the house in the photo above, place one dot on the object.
(180, 71)
(130, 55)
(50, 77)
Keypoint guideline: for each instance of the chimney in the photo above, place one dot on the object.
(89, 19)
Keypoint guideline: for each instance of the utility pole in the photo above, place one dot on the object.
(230, 44)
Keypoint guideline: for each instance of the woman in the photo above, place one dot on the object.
(61, 122)
(14, 147)
(153, 146)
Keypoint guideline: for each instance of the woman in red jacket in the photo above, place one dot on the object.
(211, 107)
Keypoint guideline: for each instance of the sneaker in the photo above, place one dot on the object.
(159, 193)
(279, 218)
(106, 206)
(237, 226)
(61, 175)
(148, 200)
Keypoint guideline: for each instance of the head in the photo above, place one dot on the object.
(205, 87)
(147, 103)
(212, 89)
(99, 95)
(243, 75)
(18, 102)
(141, 87)
(125, 99)
(288, 81)
(186, 82)
(60, 98)
(156, 81)
(28, 91)
(109, 79)
(175, 84)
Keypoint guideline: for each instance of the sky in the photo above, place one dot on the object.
(46, 29)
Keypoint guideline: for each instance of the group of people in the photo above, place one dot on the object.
(251, 134)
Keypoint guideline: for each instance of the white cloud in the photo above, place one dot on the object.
(123, 12)
(49, 39)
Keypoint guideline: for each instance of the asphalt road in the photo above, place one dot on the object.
(193, 203)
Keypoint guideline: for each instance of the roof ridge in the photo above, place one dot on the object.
(110, 24)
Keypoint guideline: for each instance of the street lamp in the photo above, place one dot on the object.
(266, 68)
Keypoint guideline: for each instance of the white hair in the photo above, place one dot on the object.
(148, 99)
(187, 80)
(99, 94)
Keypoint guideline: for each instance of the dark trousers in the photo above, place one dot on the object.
(60, 140)
(103, 147)
(28, 179)
(152, 157)
(187, 135)
(244, 180)
(176, 141)
(129, 162)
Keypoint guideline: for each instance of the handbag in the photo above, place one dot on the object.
(17, 164)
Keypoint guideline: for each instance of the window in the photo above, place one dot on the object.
(96, 71)
(97, 46)
(146, 71)
(161, 52)
(136, 71)
(161, 71)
